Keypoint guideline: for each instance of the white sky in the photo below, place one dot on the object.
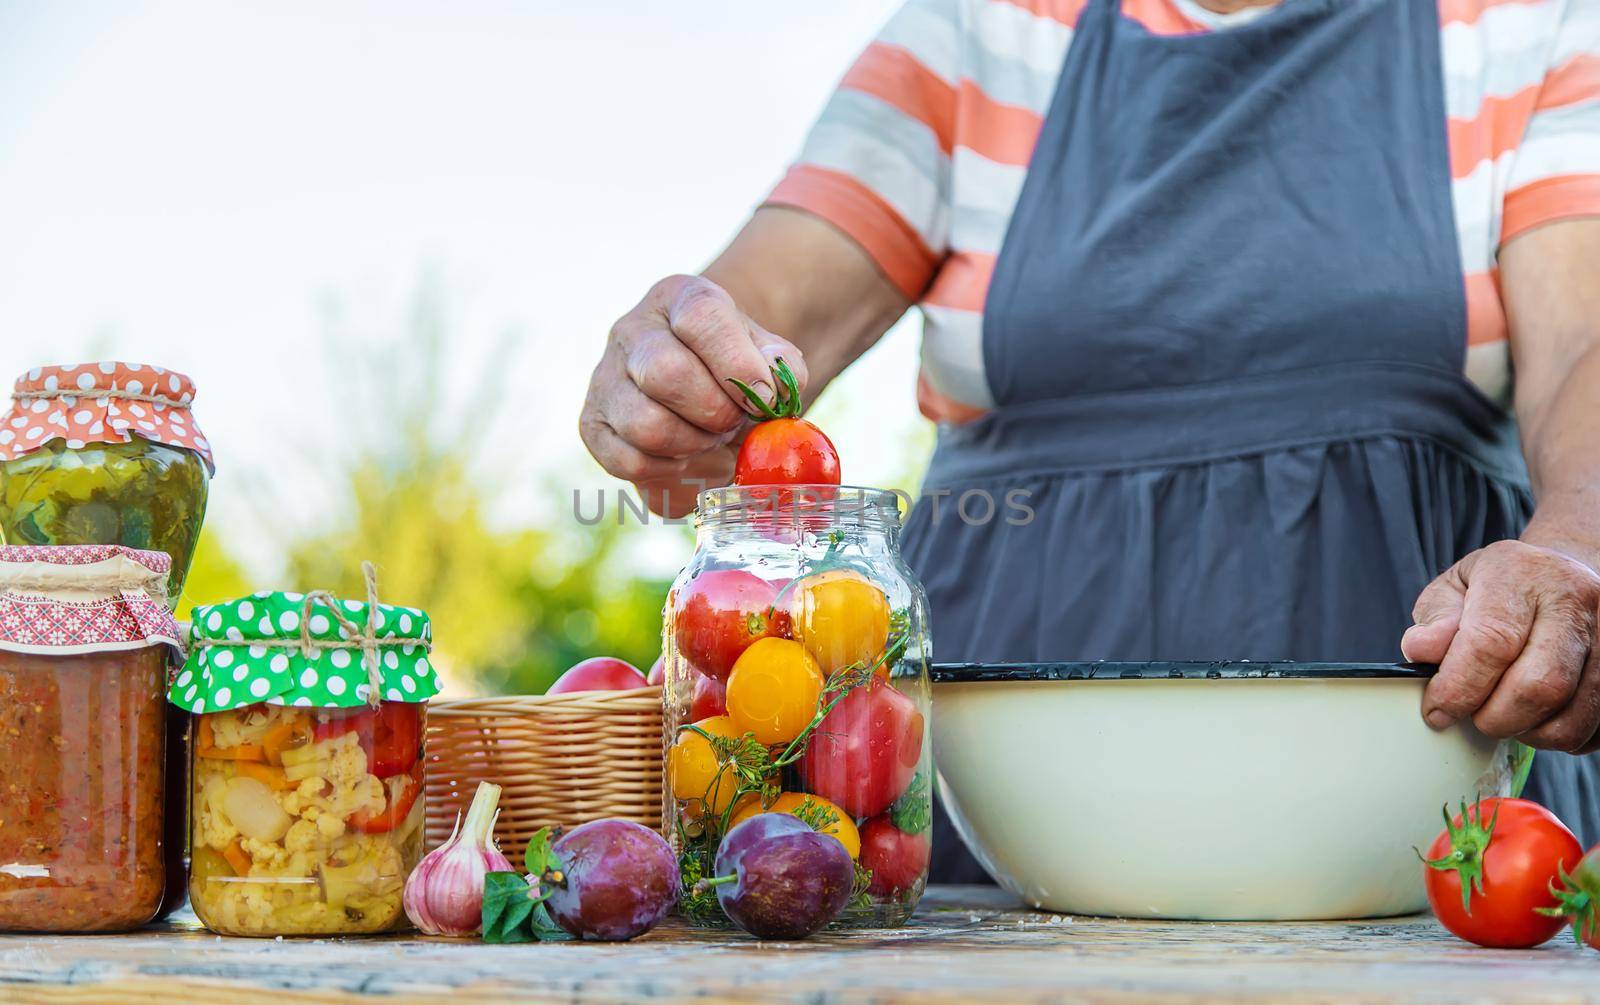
(188, 183)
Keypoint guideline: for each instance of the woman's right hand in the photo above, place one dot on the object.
(660, 412)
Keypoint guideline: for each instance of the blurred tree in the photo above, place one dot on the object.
(214, 575)
(512, 607)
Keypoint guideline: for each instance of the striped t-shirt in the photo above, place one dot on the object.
(920, 154)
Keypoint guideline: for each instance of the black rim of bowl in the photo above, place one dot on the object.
(972, 673)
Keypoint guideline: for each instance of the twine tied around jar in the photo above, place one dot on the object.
(364, 638)
(78, 392)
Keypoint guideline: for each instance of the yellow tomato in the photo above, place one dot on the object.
(773, 690)
(692, 768)
(841, 618)
(842, 827)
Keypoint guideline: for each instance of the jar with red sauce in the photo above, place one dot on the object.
(85, 647)
(306, 784)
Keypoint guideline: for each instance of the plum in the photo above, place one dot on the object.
(617, 880)
(776, 878)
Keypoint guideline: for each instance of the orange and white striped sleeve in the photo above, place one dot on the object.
(1555, 173)
(877, 163)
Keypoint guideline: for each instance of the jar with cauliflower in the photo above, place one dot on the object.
(307, 795)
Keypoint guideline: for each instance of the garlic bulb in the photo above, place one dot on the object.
(444, 894)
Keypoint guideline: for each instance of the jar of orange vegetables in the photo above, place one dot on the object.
(307, 775)
(796, 648)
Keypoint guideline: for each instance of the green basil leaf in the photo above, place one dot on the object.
(539, 859)
(545, 928)
(507, 903)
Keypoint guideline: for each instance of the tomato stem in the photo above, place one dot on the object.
(786, 402)
(1468, 844)
(1574, 902)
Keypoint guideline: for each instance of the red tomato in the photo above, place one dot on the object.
(864, 753)
(722, 611)
(658, 673)
(897, 859)
(784, 449)
(710, 698)
(391, 735)
(599, 673)
(1490, 871)
(786, 452)
(1578, 894)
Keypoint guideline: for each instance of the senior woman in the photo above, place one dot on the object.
(1234, 292)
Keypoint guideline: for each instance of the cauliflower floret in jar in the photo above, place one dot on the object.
(307, 794)
(303, 836)
(265, 855)
(212, 826)
(343, 788)
(349, 762)
(329, 826)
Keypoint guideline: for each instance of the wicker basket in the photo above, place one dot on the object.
(562, 760)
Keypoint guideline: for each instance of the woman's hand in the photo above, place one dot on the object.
(1512, 627)
(660, 412)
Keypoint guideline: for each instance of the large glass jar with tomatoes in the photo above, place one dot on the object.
(306, 785)
(796, 647)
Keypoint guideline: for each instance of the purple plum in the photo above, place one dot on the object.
(618, 880)
(779, 879)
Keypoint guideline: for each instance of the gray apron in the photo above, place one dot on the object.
(1226, 337)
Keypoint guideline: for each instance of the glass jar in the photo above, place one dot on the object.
(307, 821)
(306, 786)
(105, 453)
(84, 652)
(796, 648)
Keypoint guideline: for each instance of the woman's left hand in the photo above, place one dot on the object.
(1513, 629)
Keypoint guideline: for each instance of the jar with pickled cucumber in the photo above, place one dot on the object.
(796, 656)
(306, 796)
(105, 453)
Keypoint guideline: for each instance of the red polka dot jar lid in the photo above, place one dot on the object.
(106, 402)
(88, 598)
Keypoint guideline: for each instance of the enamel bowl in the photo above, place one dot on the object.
(1219, 791)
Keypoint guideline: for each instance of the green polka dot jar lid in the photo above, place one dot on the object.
(305, 650)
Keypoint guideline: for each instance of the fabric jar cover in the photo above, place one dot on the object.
(107, 402)
(92, 598)
(225, 671)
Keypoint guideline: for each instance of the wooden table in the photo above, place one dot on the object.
(966, 944)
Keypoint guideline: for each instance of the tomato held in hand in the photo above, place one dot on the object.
(841, 618)
(720, 613)
(897, 859)
(599, 673)
(774, 690)
(1490, 871)
(864, 753)
(1578, 897)
(784, 449)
